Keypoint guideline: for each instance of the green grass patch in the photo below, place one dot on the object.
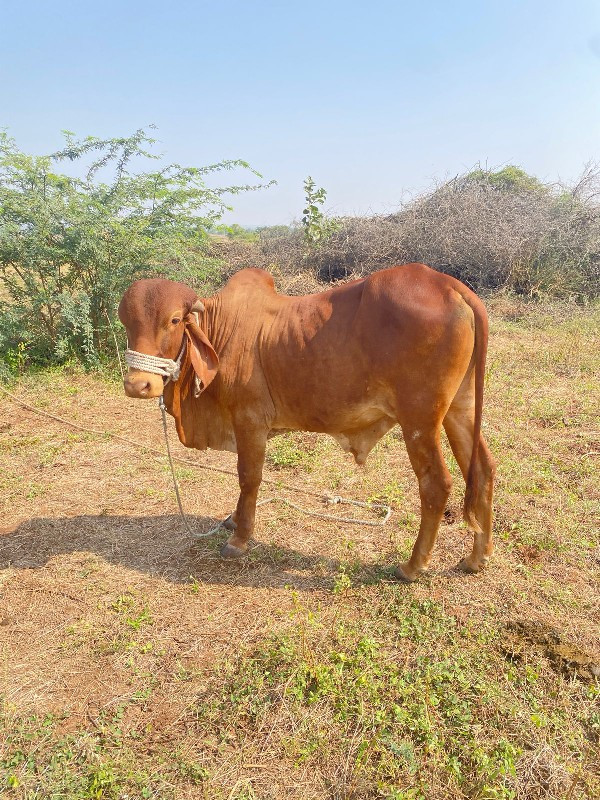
(408, 695)
(289, 450)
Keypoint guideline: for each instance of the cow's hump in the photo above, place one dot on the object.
(251, 277)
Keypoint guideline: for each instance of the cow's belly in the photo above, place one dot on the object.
(356, 427)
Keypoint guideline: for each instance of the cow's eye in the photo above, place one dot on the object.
(175, 320)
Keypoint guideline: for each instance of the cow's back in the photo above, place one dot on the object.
(336, 361)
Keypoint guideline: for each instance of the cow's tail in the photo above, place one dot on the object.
(479, 354)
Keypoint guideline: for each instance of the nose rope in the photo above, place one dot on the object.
(159, 366)
(166, 367)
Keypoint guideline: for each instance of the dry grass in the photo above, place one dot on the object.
(135, 663)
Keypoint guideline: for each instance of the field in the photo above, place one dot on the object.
(134, 663)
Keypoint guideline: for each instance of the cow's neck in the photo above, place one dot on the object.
(218, 325)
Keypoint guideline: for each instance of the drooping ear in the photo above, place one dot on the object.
(202, 354)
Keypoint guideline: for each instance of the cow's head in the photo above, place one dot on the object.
(161, 316)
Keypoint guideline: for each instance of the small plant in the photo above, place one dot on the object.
(125, 605)
(195, 773)
(286, 451)
(15, 358)
(101, 783)
(316, 226)
(392, 494)
(342, 582)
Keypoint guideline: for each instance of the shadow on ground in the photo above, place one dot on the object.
(159, 547)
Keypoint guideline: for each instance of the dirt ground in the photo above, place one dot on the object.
(125, 644)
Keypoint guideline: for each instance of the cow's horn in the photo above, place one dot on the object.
(198, 306)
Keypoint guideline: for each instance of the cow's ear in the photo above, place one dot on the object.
(202, 354)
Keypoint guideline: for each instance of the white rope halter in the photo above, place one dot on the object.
(166, 367)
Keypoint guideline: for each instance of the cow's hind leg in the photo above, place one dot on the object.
(435, 483)
(459, 424)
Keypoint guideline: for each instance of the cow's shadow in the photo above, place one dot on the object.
(159, 546)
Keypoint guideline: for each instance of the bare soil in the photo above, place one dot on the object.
(115, 625)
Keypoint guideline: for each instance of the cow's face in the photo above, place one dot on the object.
(154, 313)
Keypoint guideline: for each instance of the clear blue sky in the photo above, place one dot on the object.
(373, 99)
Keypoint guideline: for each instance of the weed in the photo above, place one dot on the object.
(8, 443)
(35, 490)
(342, 582)
(287, 450)
(143, 618)
(392, 494)
(101, 783)
(183, 473)
(194, 772)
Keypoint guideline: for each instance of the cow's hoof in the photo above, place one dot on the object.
(231, 551)
(471, 566)
(405, 574)
(229, 523)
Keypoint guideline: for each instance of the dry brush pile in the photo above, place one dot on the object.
(492, 230)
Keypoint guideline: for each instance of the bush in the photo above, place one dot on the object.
(69, 246)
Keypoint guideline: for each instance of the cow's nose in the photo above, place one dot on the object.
(139, 387)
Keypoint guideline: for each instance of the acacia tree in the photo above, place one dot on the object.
(69, 246)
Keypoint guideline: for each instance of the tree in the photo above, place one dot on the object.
(69, 246)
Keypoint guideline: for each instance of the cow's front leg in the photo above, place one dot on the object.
(251, 457)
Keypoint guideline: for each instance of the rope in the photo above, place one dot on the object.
(161, 405)
(159, 366)
(148, 448)
(350, 520)
(144, 447)
(326, 497)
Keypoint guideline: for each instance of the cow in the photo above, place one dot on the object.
(405, 345)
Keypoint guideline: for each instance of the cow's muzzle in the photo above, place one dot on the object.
(142, 385)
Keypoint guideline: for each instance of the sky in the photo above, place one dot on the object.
(375, 100)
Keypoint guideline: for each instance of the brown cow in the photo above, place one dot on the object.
(405, 345)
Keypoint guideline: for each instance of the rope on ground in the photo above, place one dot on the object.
(323, 496)
(373, 523)
(146, 447)
(330, 499)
